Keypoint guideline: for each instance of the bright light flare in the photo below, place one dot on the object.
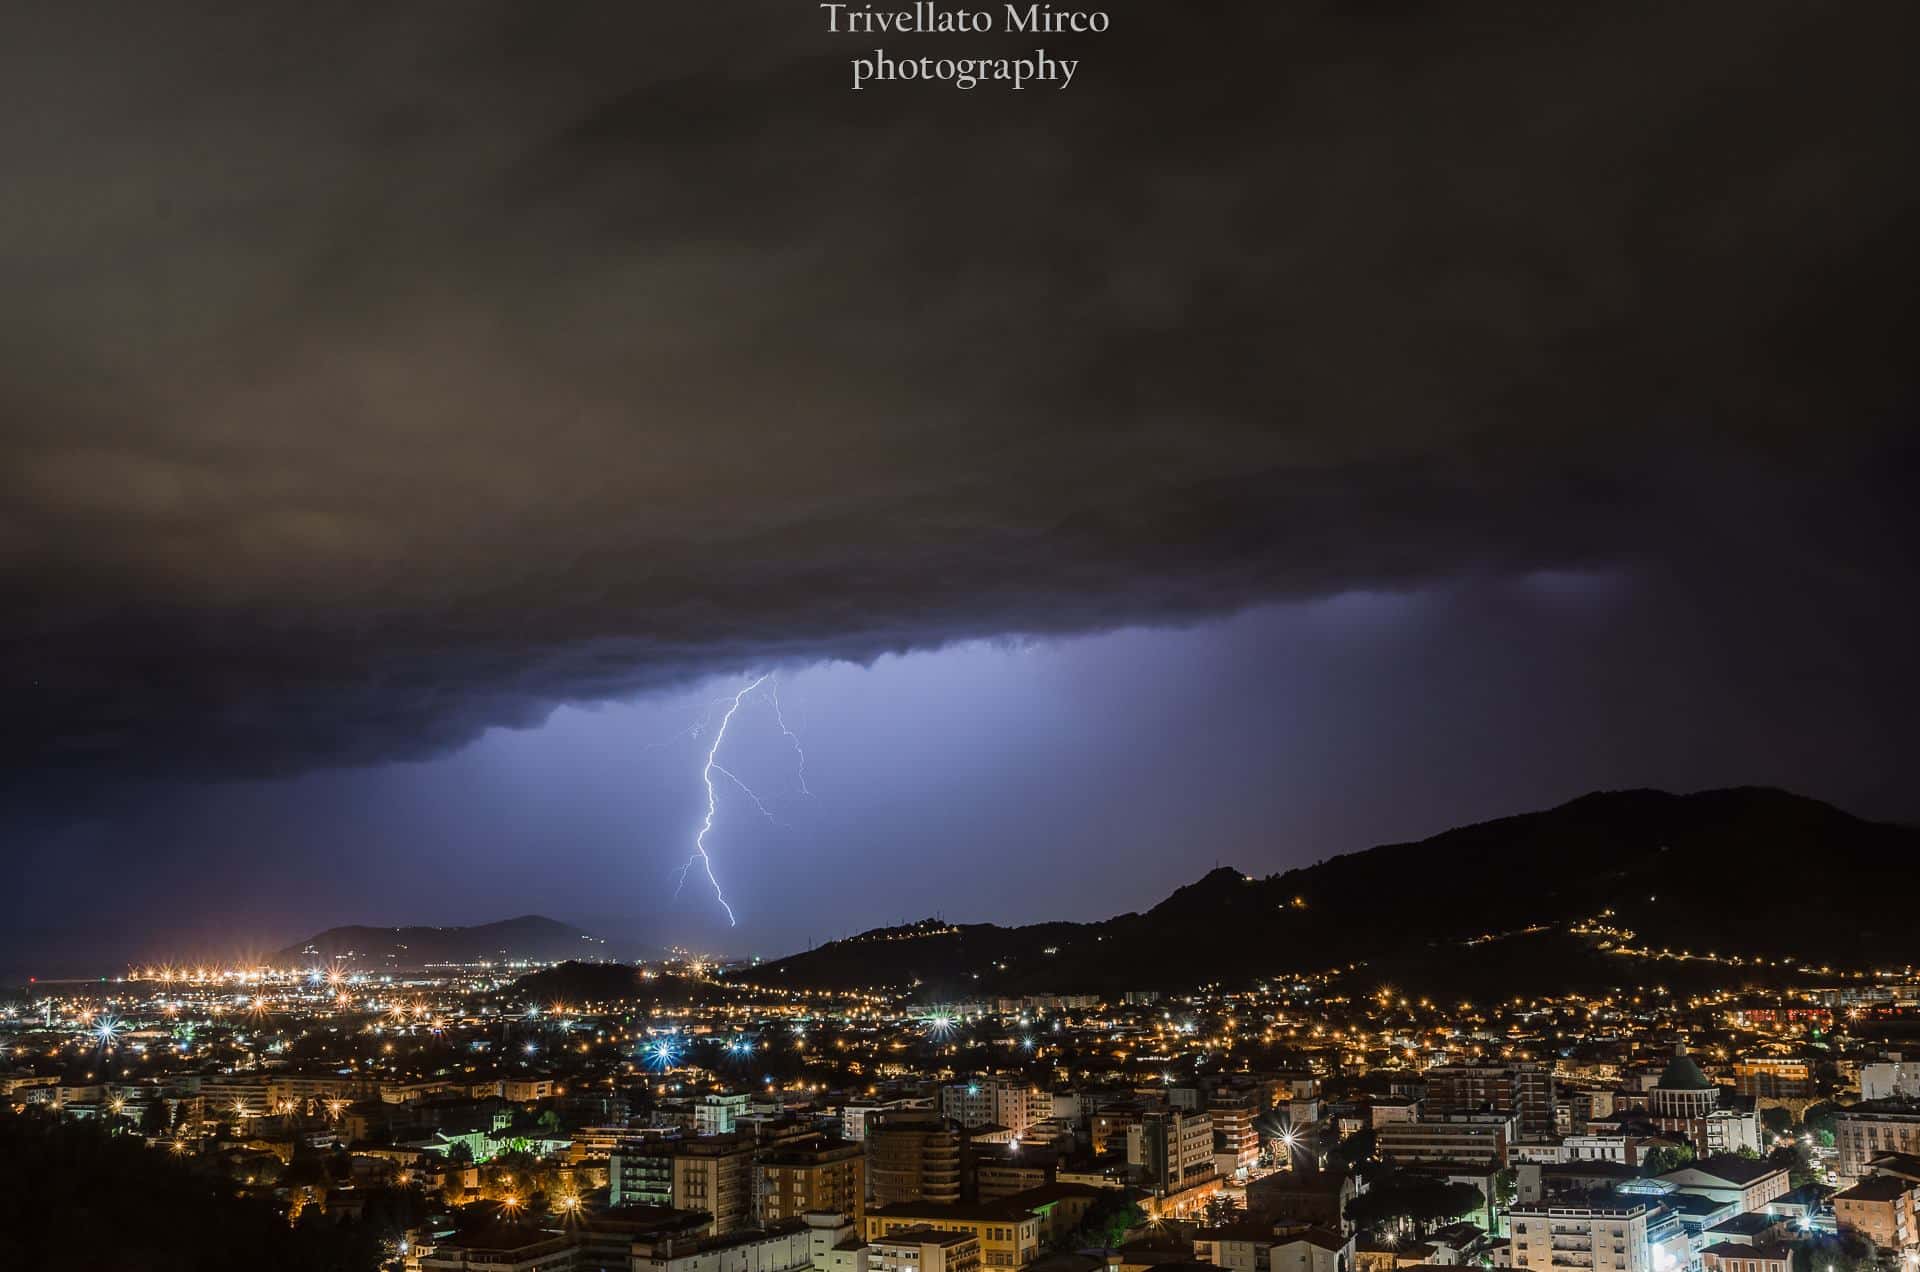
(661, 1054)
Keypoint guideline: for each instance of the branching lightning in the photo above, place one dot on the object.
(713, 766)
(731, 777)
(773, 697)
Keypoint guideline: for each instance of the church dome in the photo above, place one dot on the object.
(1682, 1074)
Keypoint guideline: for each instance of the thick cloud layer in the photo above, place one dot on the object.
(369, 376)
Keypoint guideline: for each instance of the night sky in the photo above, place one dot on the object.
(1322, 424)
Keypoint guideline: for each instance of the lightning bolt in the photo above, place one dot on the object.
(713, 803)
(773, 697)
(699, 855)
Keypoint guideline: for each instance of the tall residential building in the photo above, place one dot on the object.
(1236, 1142)
(1599, 1238)
(912, 1156)
(718, 1114)
(825, 1176)
(641, 1174)
(1466, 1139)
(1523, 1087)
(856, 1115)
(1013, 1103)
(1173, 1149)
(715, 1175)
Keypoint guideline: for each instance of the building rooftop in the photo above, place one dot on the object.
(1751, 1224)
(1048, 1194)
(1874, 1188)
(925, 1234)
(1730, 1168)
(1740, 1250)
(1325, 1238)
(1003, 1211)
(1905, 1165)
(1682, 1074)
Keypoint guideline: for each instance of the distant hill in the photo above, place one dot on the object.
(1748, 872)
(529, 937)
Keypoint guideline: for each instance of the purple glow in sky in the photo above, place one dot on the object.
(1010, 781)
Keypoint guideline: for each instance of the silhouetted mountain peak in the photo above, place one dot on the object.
(1711, 871)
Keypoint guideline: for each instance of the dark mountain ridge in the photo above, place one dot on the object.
(1751, 872)
(530, 938)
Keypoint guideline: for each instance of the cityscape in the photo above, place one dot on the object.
(774, 636)
(1711, 1112)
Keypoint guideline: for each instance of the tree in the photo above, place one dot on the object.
(1797, 1157)
(1844, 1253)
(141, 1207)
(1818, 1121)
(1663, 1158)
(1777, 1120)
(154, 1119)
(1506, 1186)
(1418, 1202)
(1222, 1210)
(1350, 1152)
(1105, 1225)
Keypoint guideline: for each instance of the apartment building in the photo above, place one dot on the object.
(913, 1156)
(718, 1114)
(1008, 1233)
(826, 1176)
(1013, 1103)
(1173, 1149)
(715, 1175)
(1466, 1139)
(1773, 1078)
(1880, 1208)
(1521, 1087)
(641, 1174)
(1872, 1127)
(1236, 1142)
(1579, 1238)
(925, 1249)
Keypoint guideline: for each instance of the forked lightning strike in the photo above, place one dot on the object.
(714, 766)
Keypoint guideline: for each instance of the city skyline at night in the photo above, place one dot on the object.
(761, 636)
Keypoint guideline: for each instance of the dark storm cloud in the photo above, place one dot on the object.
(372, 375)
